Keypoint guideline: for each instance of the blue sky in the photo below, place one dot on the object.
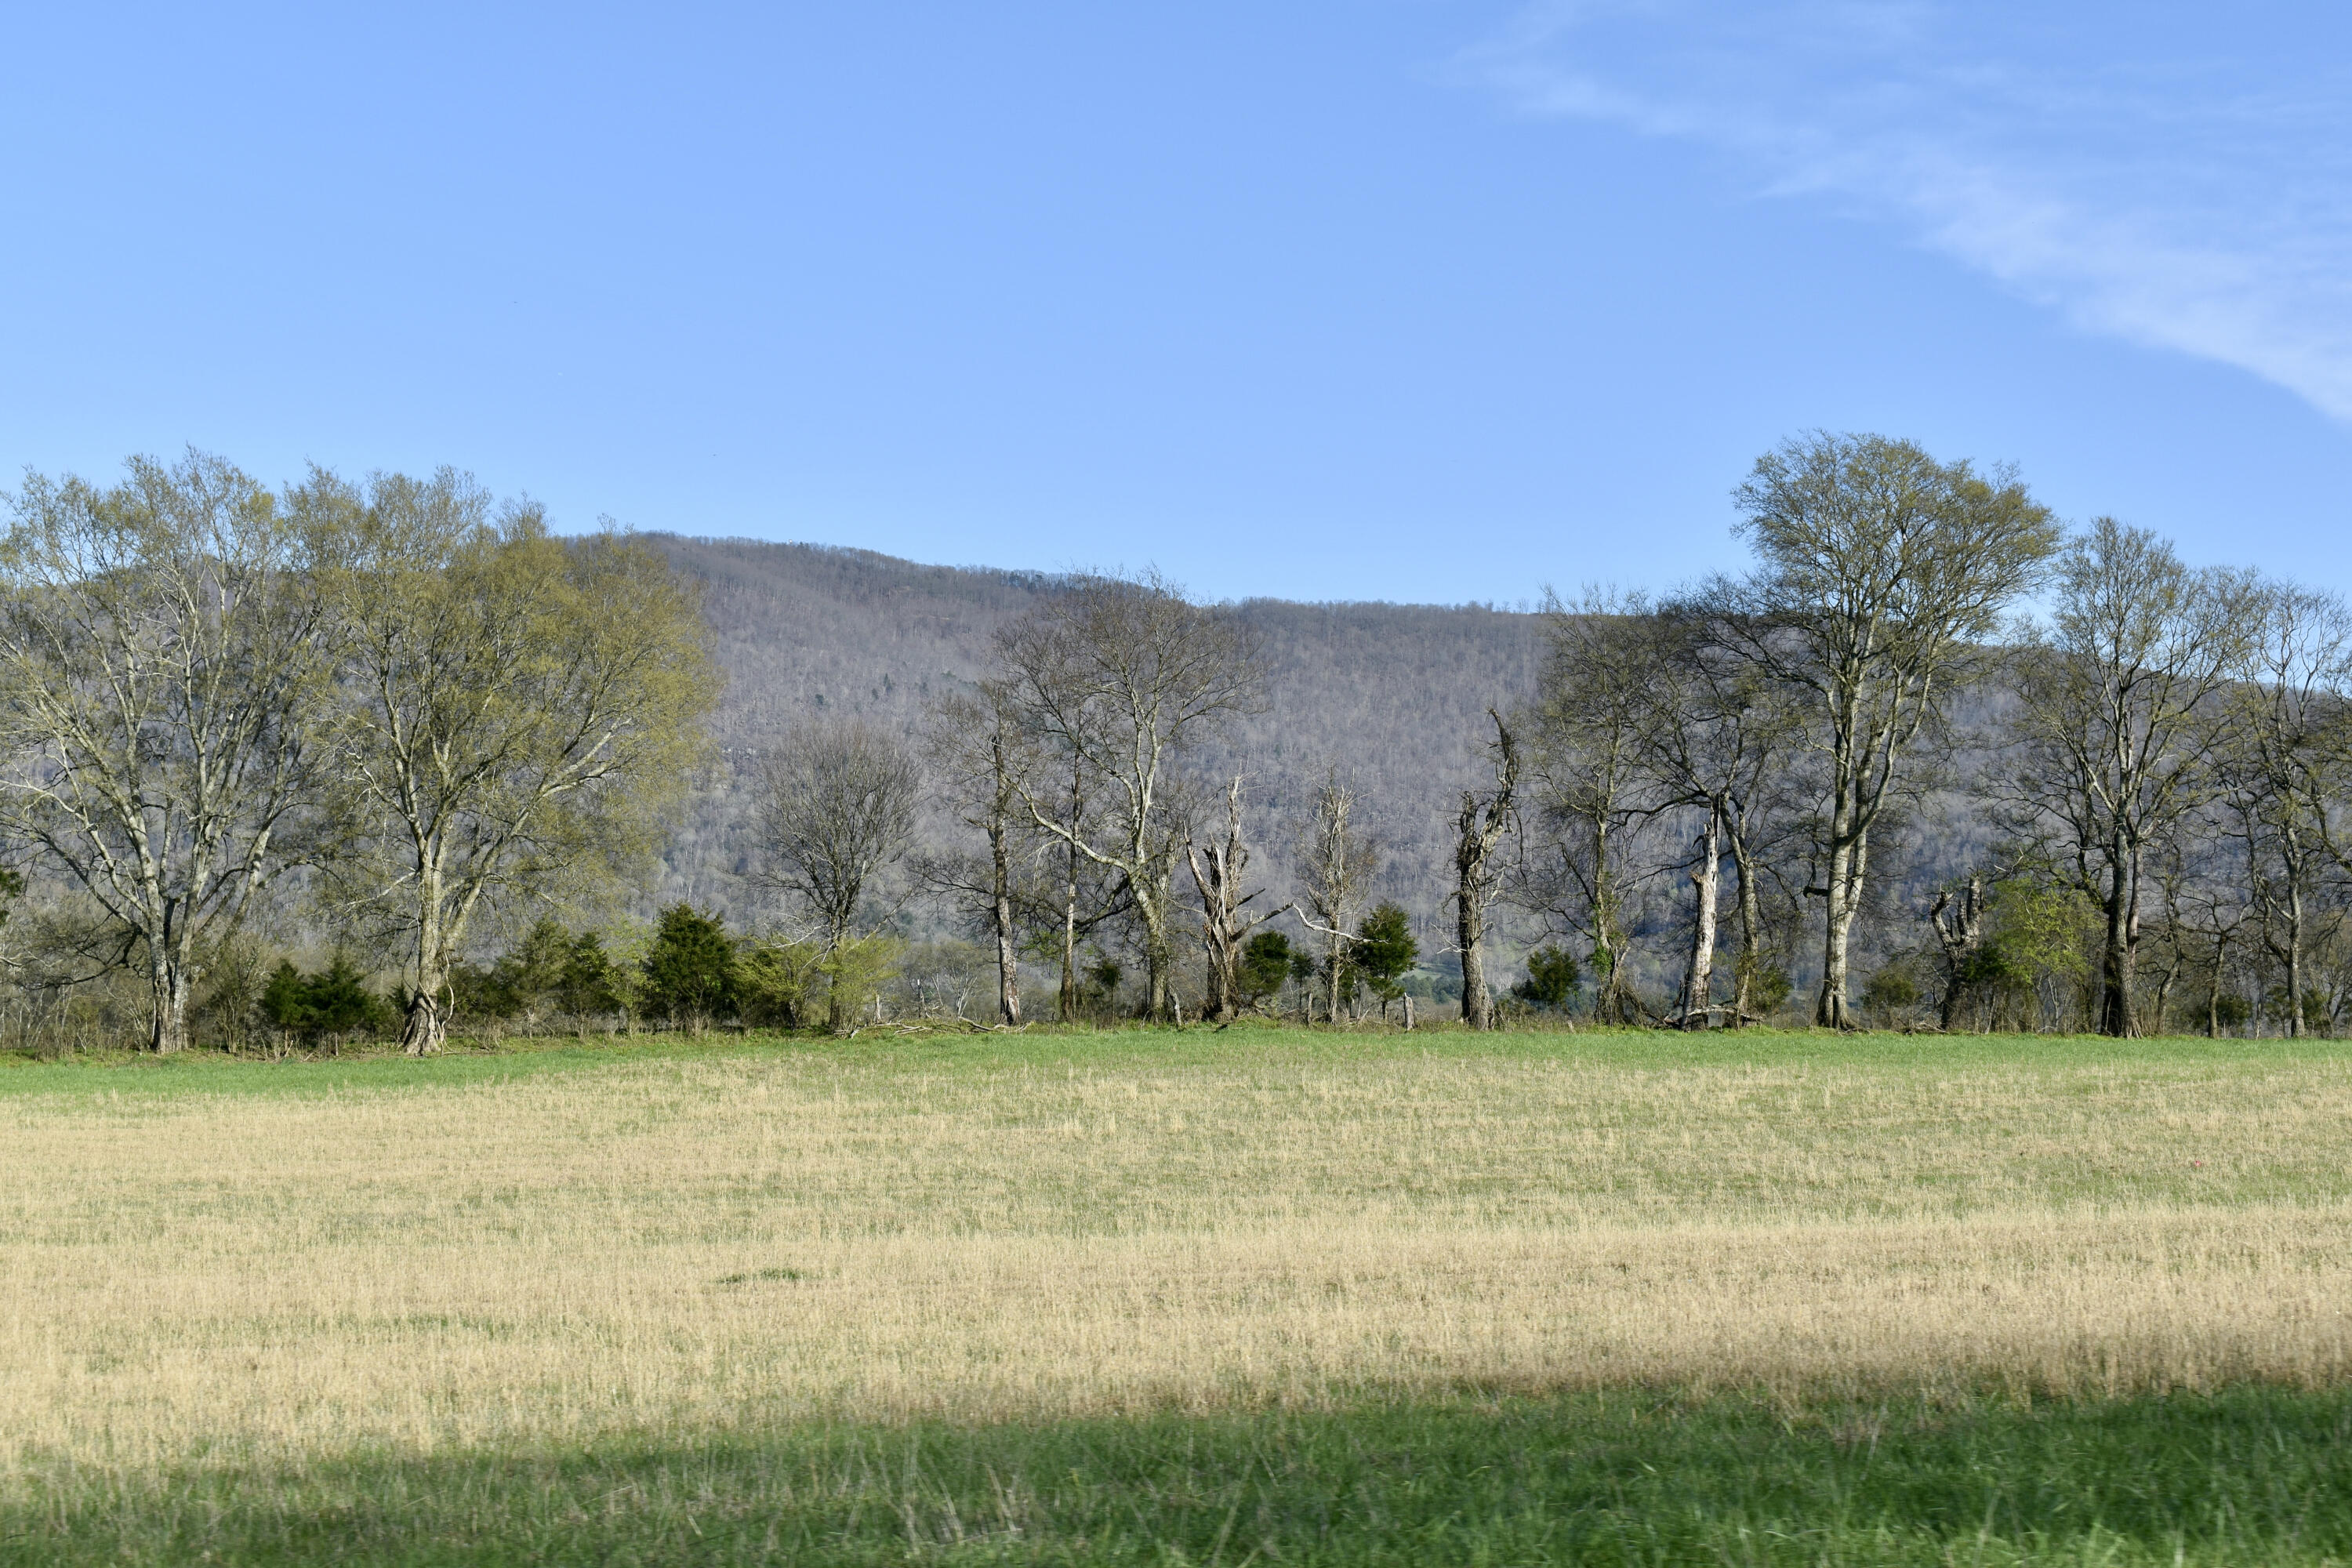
(1421, 299)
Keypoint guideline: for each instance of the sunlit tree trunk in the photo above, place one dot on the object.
(1842, 891)
(1699, 984)
(2295, 1025)
(1217, 871)
(168, 987)
(426, 1028)
(1069, 993)
(1008, 960)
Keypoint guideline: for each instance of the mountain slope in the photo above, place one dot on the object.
(1393, 697)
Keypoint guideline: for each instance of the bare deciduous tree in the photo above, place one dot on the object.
(837, 805)
(1717, 740)
(2205, 885)
(1078, 896)
(977, 751)
(2121, 704)
(1218, 868)
(2284, 755)
(1119, 678)
(164, 672)
(1595, 712)
(1959, 923)
(1881, 572)
(1333, 868)
(1487, 818)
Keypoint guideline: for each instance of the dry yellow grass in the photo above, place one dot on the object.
(675, 1244)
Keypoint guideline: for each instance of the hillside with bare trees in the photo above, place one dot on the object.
(611, 776)
(1390, 696)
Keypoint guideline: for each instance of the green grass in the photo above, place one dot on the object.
(2248, 1476)
(512, 1059)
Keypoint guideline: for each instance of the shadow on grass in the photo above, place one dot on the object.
(2245, 1477)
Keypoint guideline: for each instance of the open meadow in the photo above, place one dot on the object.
(1185, 1297)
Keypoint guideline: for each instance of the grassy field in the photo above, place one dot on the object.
(1185, 1297)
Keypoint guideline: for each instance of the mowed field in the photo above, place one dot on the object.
(1185, 1297)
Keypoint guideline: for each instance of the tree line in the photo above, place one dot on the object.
(2150, 773)
(2157, 764)
(410, 712)
(397, 703)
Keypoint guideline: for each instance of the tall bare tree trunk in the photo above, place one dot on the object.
(1843, 890)
(2294, 959)
(1961, 929)
(1333, 868)
(2164, 991)
(1751, 935)
(1470, 932)
(1069, 993)
(1698, 986)
(1480, 829)
(1159, 960)
(424, 1030)
(839, 1003)
(2116, 1008)
(1222, 1001)
(1614, 999)
(1217, 869)
(1008, 962)
(168, 1027)
(170, 972)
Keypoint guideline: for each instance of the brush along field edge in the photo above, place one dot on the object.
(683, 1247)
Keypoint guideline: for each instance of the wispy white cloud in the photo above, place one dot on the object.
(2179, 177)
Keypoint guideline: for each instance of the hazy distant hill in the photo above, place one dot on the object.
(1392, 695)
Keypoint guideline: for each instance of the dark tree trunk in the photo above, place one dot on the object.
(1751, 936)
(1470, 931)
(2115, 1012)
(425, 1029)
(1959, 928)
(1481, 827)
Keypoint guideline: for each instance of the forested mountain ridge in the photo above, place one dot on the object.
(1392, 696)
(451, 723)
